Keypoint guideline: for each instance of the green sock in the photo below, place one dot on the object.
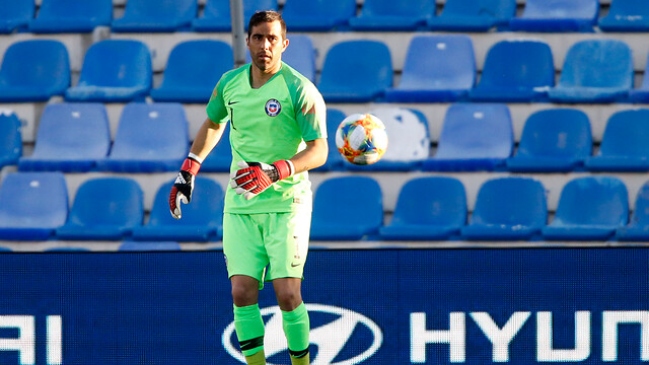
(249, 327)
(296, 328)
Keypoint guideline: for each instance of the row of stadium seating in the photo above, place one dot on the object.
(56, 16)
(437, 68)
(35, 207)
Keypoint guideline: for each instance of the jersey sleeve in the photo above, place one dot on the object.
(311, 112)
(216, 109)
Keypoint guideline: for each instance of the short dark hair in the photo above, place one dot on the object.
(266, 16)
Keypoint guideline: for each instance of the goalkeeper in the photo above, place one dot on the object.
(277, 133)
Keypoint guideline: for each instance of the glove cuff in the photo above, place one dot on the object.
(191, 165)
(284, 168)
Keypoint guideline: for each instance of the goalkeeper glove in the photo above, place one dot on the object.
(181, 191)
(254, 177)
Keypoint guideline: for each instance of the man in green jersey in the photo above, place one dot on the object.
(278, 132)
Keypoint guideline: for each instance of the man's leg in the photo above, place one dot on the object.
(248, 323)
(295, 318)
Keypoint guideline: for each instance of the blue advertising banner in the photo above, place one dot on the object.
(371, 307)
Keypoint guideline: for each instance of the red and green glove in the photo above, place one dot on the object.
(181, 191)
(254, 177)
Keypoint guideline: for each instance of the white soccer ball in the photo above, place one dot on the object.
(361, 139)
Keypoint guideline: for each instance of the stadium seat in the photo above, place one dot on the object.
(4, 249)
(595, 71)
(114, 70)
(34, 70)
(408, 140)
(104, 208)
(337, 219)
(346, 79)
(641, 94)
(516, 70)
(11, 142)
(624, 144)
(474, 136)
(557, 16)
(638, 227)
(553, 140)
(335, 161)
(437, 68)
(300, 55)
(16, 15)
(591, 208)
(387, 15)
(72, 16)
(428, 208)
(202, 219)
(626, 16)
(149, 246)
(149, 16)
(473, 15)
(192, 71)
(71, 137)
(217, 17)
(32, 205)
(220, 158)
(508, 209)
(318, 15)
(150, 138)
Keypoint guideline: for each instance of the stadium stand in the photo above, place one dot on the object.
(437, 68)
(386, 15)
(428, 208)
(626, 16)
(16, 15)
(130, 245)
(11, 142)
(638, 227)
(72, 16)
(104, 208)
(508, 208)
(473, 16)
(34, 70)
(553, 140)
(71, 137)
(147, 16)
(557, 16)
(641, 94)
(318, 15)
(216, 14)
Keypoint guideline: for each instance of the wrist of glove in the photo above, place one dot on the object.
(181, 191)
(252, 178)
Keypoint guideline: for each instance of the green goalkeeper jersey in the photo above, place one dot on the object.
(268, 124)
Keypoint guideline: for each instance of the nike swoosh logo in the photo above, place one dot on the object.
(232, 102)
(295, 265)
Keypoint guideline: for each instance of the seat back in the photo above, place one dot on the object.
(598, 63)
(206, 208)
(431, 200)
(215, 9)
(626, 134)
(15, 14)
(511, 201)
(220, 158)
(561, 9)
(640, 216)
(439, 62)
(117, 63)
(11, 142)
(114, 201)
(593, 200)
(408, 133)
(518, 63)
(398, 8)
(72, 16)
(363, 199)
(337, 10)
(499, 9)
(559, 132)
(182, 11)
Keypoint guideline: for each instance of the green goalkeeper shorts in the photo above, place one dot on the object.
(266, 246)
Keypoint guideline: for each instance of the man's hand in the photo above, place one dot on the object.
(254, 177)
(181, 191)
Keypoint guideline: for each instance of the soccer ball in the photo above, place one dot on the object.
(361, 139)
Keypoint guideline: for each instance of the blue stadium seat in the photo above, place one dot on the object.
(626, 16)
(335, 161)
(149, 246)
(32, 205)
(202, 219)
(148, 16)
(4, 249)
(557, 16)
(591, 208)
(15, 15)
(192, 71)
(72, 16)
(220, 158)
(408, 140)
(346, 79)
(356, 217)
(216, 15)
(508, 208)
(150, 138)
(641, 94)
(595, 71)
(638, 227)
(71, 137)
(437, 68)
(428, 208)
(516, 71)
(387, 15)
(553, 140)
(11, 140)
(624, 144)
(318, 15)
(474, 136)
(34, 70)
(104, 208)
(473, 15)
(114, 70)
(300, 55)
